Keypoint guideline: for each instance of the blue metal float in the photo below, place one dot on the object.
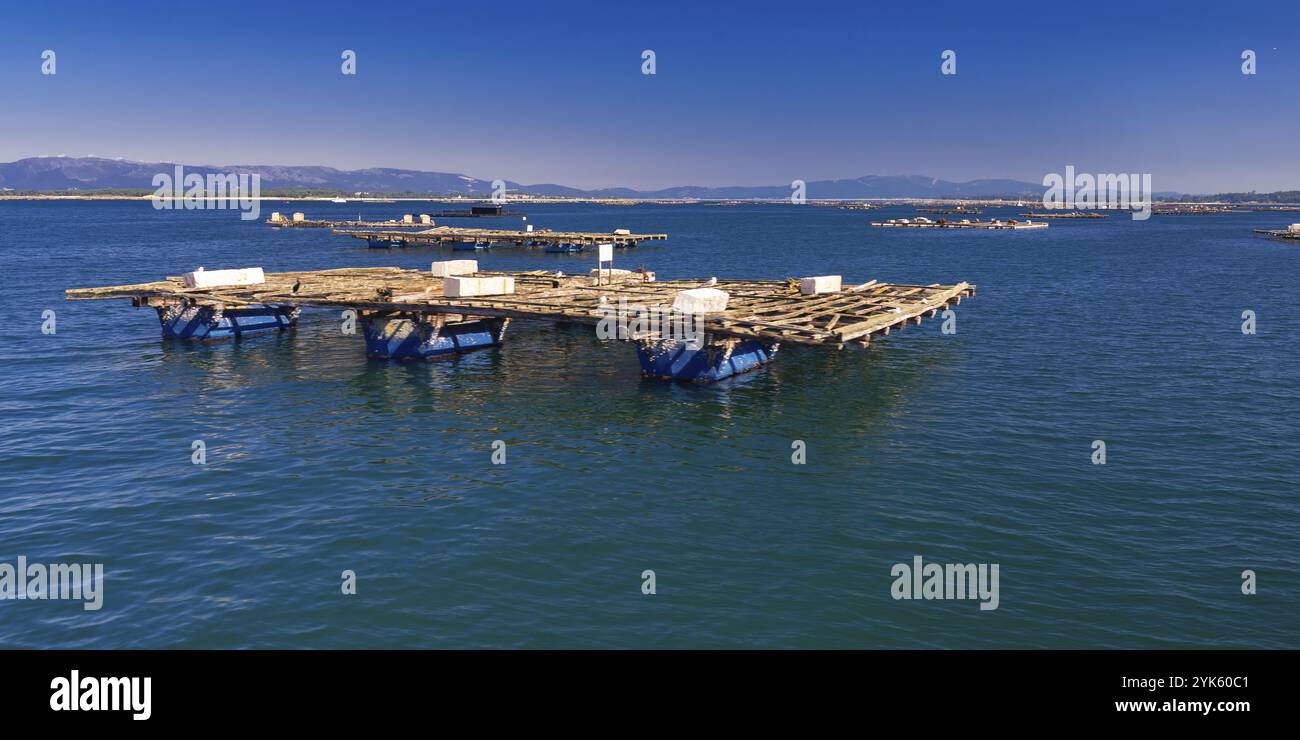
(712, 360)
(406, 338)
(213, 323)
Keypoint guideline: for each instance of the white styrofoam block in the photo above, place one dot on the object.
(623, 232)
(447, 268)
(820, 284)
(459, 287)
(701, 300)
(299, 216)
(202, 278)
(469, 287)
(1293, 228)
(502, 285)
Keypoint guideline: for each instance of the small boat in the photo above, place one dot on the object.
(564, 247)
(469, 246)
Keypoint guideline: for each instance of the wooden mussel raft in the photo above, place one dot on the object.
(300, 221)
(921, 222)
(1290, 232)
(1065, 214)
(492, 211)
(466, 238)
(413, 314)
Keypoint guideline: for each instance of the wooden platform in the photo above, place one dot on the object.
(1278, 233)
(847, 205)
(328, 224)
(770, 310)
(904, 223)
(440, 235)
(1068, 214)
(392, 223)
(470, 213)
(1169, 210)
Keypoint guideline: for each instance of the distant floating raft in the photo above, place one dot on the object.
(1069, 214)
(1169, 210)
(1290, 232)
(479, 212)
(926, 223)
(461, 238)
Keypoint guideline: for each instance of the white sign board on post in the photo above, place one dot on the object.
(604, 253)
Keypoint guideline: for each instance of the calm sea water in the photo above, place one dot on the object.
(974, 447)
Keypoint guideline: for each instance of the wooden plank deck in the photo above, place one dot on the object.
(758, 309)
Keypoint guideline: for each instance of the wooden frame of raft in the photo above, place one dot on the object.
(769, 310)
(446, 235)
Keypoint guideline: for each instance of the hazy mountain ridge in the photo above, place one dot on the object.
(89, 173)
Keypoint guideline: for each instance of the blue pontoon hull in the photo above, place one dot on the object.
(210, 324)
(680, 360)
(407, 339)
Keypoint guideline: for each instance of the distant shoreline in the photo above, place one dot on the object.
(327, 199)
(988, 202)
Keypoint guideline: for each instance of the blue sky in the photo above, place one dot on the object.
(745, 92)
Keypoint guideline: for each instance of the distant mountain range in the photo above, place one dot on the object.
(96, 173)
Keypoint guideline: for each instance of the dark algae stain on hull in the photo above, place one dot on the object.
(968, 447)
